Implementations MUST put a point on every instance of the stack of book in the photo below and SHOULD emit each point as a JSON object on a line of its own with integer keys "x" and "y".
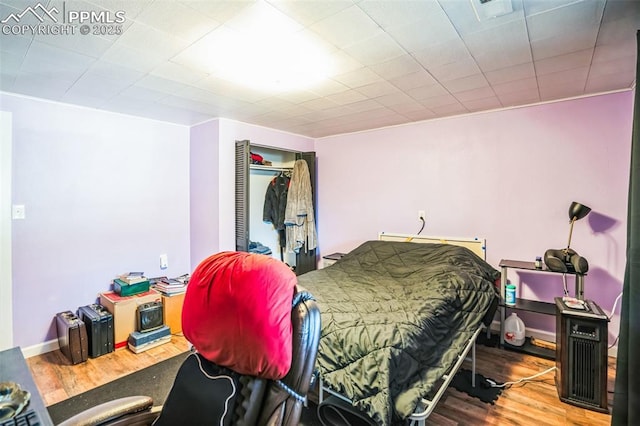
{"x": 170, "y": 286}
{"x": 130, "y": 284}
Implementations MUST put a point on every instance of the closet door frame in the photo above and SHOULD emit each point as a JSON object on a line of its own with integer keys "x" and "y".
{"x": 306, "y": 260}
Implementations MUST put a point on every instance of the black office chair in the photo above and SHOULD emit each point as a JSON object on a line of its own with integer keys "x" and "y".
{"x": 237, "y": 399}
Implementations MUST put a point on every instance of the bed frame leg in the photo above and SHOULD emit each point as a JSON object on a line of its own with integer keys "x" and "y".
{"x": 473, "y": 365}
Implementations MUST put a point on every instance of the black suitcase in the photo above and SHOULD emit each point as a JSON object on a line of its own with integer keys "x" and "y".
{"x": 99, "y": 324}
{"x": 72, "y": 337}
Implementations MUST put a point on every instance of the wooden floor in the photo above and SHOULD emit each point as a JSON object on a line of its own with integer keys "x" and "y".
{"x": 532, "y": 402}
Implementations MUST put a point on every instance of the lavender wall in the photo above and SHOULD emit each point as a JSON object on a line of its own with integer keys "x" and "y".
{"x": 213, "y": 179}
{"x": 230, "y": 131}
{"x": 507, "y": 176}
{"x": 204, "y": 172}
{"x": 104, "y": 194}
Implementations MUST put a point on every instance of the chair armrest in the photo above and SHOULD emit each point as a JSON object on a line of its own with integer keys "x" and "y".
{"x": 111, "y": 410}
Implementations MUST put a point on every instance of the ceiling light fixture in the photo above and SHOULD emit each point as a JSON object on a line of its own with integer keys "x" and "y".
{"x": 487, "y": 9}
{"x": 266, "y": 50}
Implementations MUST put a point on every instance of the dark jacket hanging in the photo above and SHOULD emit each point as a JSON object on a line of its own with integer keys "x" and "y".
{"x": 275, "y": 202}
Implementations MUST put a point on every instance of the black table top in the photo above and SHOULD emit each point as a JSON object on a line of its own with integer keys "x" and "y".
{"x": 14, "y": 368}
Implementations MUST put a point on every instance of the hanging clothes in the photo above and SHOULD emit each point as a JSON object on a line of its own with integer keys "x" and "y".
{"x": 275, "y": 204}
{"x": 299, "y": 219}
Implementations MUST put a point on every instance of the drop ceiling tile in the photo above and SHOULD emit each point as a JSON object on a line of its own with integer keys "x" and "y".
{"x": 263, "y": 16}
{"x": 464, "y": 84}
{"x": 455, "y": 71}
{"x": 566, "y": 18}
{"x": 396, "y": 98}
{"x": 374, "y": 50}
{"x": 569, "y": 61}
{"x": 140, "y": 60}
{"x": 341, "y": 63}
{"x": 483, "y": 104}
{"x": 574, "y": 41}
{"x": 375, "y": 90}
{"x": 80, "y": 97}
{"x": 177, "y": 19}
{"x": 88, "y": 45}
{"x": 47, "y": 85}
{"x": 130, "y": 8}
{"x": 189, "y": 104}
{"x": 389, "y": 13}
{"x": 409, "y": 107}
{"x": 449, "y": 110}
{"x": 516, "y": 98}
{"x": 309, "y": 12}
{"x": 366, "y": 105}
{"x": 106, "y": 70}
{"x": 414, "y": 80}
{"x": 346, "y": 27}
{"x": 535, "y": 7}
{"x": 10, "y": 63}
{"x": 516, "y": 86}
{"x": 298, "y": 97}
{"x": 577, "y": 76}
{"x": 614, "y": 66}
{"x": 219, "y": 10}
{"x": 143, "y": 37}
{"x": 424, "y": 114}
{"x": 608, "y": 52}
{"x": 178, "y": 72}
{"x": 422, "y": 34}
{"x": 359, "y": 77}
{"x": 347, "y": 97}
{"x": 441, "y": 54}
{"x": 428, "y": 91}
{"x": 438, "y": 101}
{"x": 96, "y": 86}
{"x": 516, "y": 72}
{"x": 17, "y": 45}
{"x": 42, "y": 56}
{"x": 509, "y": 46}
{"x": 563, "y": 84}
{"x": 319, "y": 104}
{"x": 611, "y": 82}
{"x": 219, "y": 87}
{"x": 474, "y": 94}
{"x": 160, "y": 84}
{"x": 397, "y": 67}
{"x": 137, "y": 93}
{"x": 328, "y": 87}
{"x": 469, "y": 17}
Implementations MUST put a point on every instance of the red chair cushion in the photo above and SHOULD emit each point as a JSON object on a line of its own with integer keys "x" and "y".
{"x": 237, "y": 313}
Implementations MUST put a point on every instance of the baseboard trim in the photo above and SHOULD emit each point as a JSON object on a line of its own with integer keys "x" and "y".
{"x": 40, "y": 348}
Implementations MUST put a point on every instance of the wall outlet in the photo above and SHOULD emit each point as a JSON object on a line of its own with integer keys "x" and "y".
{"x": 18, "y": 211}
{"x": 422, "y": 215}
{"x": 164, "y": 261}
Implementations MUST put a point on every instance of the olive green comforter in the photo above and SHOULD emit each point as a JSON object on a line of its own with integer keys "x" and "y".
{"x": 395, "y": 315}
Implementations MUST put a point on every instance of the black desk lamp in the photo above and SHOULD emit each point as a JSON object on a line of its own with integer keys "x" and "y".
{"x": 567, "y": 260}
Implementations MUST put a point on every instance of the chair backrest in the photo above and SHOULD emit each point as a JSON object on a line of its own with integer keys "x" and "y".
{"x": 204, "y": 392}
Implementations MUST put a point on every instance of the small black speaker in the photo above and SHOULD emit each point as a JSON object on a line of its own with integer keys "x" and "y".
{"x": 581, "y": 355}
{"x": 149, "y": 317}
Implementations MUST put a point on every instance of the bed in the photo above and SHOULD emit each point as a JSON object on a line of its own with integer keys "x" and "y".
{"x": 399, "y": 315}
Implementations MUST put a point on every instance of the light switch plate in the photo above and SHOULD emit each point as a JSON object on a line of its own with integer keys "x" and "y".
{"x": 164, "y": 261}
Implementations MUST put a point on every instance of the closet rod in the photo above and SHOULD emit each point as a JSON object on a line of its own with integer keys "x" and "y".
{"x": 270, "y": 168}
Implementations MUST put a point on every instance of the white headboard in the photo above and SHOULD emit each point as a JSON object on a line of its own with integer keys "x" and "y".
{"x": 476, "y": 245}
